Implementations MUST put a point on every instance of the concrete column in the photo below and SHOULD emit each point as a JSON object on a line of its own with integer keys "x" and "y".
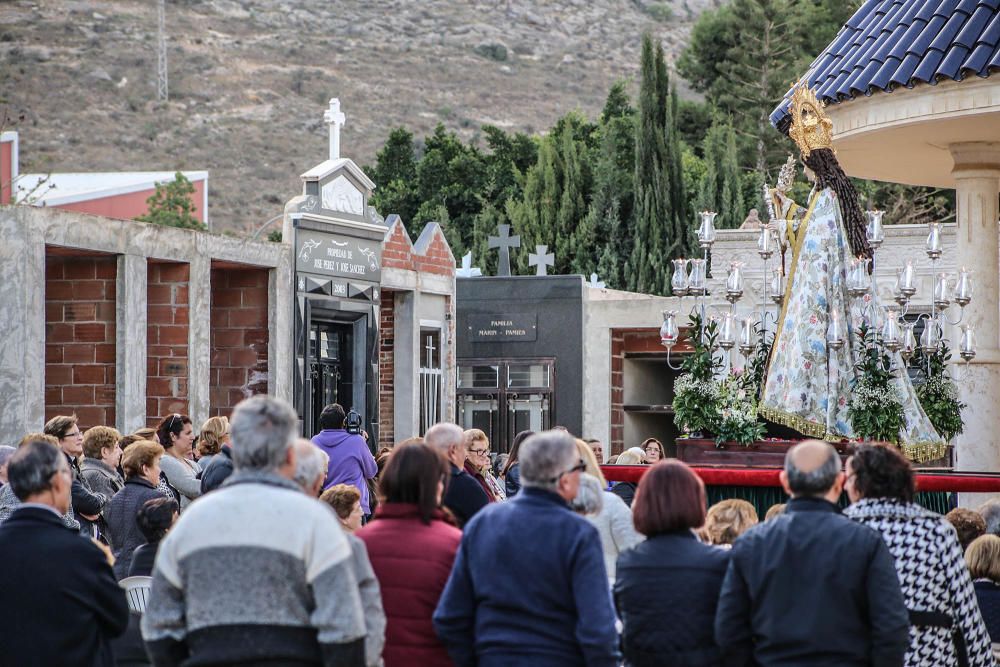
{"x": 977, "y": 177}
{"x": 22, "y": 324}
{"x": 199, "y": 338}
{"x": 406, "y": 365}
{"x": 280, "y": 324}
{"x": 130, "y": 343}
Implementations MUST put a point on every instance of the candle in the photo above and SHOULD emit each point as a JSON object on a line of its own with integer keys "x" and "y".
{"x": 734, "y": 282}
{"x": 767, "y": 241}
{"x": 706, "y": 230}
{"x": 679, "y": 279}
{"x": 668, "y": 330}
{"x": 875, "y": 231}
{"x": 931, "y": 337}
{"x": 907, "y": 279}
{"x": 934, "y": 241}
{"x": 908, "y": 344}
{"x": 963, "y": 288}
{"x": 941, "y": 291}
{"x": 746, "y": 336}
{"x": 835, "y": 332}
{"x": 697, "y": 280}
{"x": 967, "y": 344}
{"x": 890, "y": 330}
{"x": 776, "y": 286}
{"x": 726, "y": 335}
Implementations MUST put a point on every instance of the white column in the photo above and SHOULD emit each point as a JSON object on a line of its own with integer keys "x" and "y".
{"x": 977, "y": 179}
{"x": 199, "y": 337}
{"x": 130, "y": 343}
{"x": 406, "y": 364}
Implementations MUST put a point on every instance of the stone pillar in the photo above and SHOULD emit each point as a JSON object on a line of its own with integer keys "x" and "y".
{"x": 199, "y": 338}
{"x": 406, "y": 365}
{"x": 130, "y": 343}
{"x": 977, "y": 179}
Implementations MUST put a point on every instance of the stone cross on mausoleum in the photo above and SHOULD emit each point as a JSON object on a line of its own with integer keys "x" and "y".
{"x": 468, "y": 270}
{"x": 541, "y": 259}
{"x": 336, "y": 119}
{"x": 504, "y": 242}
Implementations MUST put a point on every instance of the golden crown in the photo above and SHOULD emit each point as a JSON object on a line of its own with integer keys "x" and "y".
{"x": 811, "y": 128}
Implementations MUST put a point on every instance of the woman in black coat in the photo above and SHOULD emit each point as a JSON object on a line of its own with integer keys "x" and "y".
{"x": 667, "y": 587}
{"x": 141, "y": 462}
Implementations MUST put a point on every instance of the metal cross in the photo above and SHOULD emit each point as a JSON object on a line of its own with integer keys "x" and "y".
{"x": 594, "y": 282}
{"x": 540, "y": 260}
{"x": 467, "y": 270}
{"x": 430, "y": 351}
{"x": 504, "y": 242}
{"x": 336, "y": 120}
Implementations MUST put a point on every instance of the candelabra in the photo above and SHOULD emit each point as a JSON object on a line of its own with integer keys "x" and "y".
{"x": 893, "y": 331}
{"x": 690, "y": 279}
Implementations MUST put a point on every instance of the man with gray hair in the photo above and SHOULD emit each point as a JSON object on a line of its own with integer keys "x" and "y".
{"x": 990, "y": 511}
{"x": 310, "y": 467}
{"x": 529, "y": 586}
{"x": 59, "y": 601}
{"x": 812, "y": 587}
{"x": 464, "y": 496}
{"x": 256, "y": 571}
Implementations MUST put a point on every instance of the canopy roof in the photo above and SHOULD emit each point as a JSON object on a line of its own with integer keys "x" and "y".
{"x": 893, "y": 43}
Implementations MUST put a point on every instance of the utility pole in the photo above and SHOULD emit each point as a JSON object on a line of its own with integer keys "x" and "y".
{"x": 161, "y": 51}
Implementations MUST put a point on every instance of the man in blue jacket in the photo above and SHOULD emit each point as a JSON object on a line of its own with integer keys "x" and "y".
{"x": 529, "y": 585}
{"x": 811, "y": 587}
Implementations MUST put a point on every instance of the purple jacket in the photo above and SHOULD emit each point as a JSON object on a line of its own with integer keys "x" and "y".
{"x": 350, "y": 461}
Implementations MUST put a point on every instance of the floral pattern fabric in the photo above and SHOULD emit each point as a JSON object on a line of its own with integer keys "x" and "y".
{"x": 808, "y": 383}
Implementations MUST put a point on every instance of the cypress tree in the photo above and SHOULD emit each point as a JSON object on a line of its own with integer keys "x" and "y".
{"x": 721, "y": 187}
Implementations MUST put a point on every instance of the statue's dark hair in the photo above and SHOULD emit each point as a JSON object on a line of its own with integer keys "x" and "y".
{"x": 829, "y": 174}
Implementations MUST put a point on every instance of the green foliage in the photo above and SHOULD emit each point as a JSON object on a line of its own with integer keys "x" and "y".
{"x": 938, "y": 394}
{"x": 721, "y": 186}
{"x": 737, "y": 413}
{"x": 274, "y": 236}
{"x": 875, "y": 408}
{"x": 661, "y": 231}
{"x": 172, "y": 205}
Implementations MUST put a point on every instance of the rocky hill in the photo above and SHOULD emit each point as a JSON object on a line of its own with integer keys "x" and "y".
{"x": 249, "y": 79}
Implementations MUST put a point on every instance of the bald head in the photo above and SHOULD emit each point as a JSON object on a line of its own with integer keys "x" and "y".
{"x": 448, "y": 439}
{"x": 812, "y": 468}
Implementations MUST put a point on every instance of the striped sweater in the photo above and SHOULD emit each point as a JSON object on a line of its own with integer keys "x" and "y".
{"x": 256, "y": 571}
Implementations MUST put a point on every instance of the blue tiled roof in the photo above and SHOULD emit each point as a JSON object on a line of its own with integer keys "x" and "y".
{"x": 892, "y": 43}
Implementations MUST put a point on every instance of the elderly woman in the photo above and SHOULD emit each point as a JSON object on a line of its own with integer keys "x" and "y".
{"x": 100, "y": 465}
{"x": 935, "y": 582}
{"x": 983, "y": 559}
{"x": 345, "y": 499}
{"x": 728, "y": 519}
{"x": 630, "y": 457}
{"x": 176, "y": 435}
{"x": 668, "y": 586}
{"x": 141, "y": 462}
{"x": 412, "y": 547}
{"x": 213, "y": 435}
{"x": 155, "y": 519}
{"x": 614, "y": 520}
{"x": 478, "y": 464}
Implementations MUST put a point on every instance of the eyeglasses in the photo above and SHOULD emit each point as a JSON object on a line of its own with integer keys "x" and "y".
{"x": 579, "y": 467}
{"x": 479, "y": 451}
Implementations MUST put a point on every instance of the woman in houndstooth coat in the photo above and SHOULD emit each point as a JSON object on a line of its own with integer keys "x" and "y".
{"x": 932, "y": 573}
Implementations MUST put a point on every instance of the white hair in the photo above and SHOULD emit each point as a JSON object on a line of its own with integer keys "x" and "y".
{"x": 544, "y": 457}
{"x": 631, "y": 456}
{"x": 590, "y": 497}
{"x": 310, "y": 463}
{"x": 262, "y": 428}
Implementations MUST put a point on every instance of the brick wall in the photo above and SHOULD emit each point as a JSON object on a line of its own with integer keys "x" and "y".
{"x": 399, "y": 253}
{"x": 167, "y": 306}
{"x": 617, "y": 392}
{"x": 239, "y": 337}
{"x": 386, "y": 371}
{"x": 80, "y": 338}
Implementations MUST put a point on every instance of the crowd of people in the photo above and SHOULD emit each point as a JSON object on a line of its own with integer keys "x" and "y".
{"x": 258, "y": 547}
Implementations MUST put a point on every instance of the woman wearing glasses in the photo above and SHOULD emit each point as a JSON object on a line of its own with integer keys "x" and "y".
{"x": 176, "y": 435}
{"x": 478, "y": 464}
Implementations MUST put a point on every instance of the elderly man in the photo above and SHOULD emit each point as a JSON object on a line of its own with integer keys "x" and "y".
{"x": 310, "y": 467}
{"x": 310, "y": 472}
{"x": 529, "y": 585}
{"x": 256, "y": 572}
{"x": 59, "y": 601}
{"x": 812, "y": 587}
{"x": 465, "y": 496}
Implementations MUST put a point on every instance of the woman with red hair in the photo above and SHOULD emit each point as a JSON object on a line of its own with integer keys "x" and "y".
{"x": 667, "y": 587}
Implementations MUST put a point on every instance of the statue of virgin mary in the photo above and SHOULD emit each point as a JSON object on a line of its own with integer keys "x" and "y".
{"x": 808, "y": 382}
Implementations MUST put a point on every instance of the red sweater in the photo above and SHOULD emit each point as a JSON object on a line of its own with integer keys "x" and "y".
{"x": 412, "y": 562}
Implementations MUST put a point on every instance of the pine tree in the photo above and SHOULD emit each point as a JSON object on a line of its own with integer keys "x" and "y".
{"x": 721, "y": 187}
{"x": 171, "y": 205}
